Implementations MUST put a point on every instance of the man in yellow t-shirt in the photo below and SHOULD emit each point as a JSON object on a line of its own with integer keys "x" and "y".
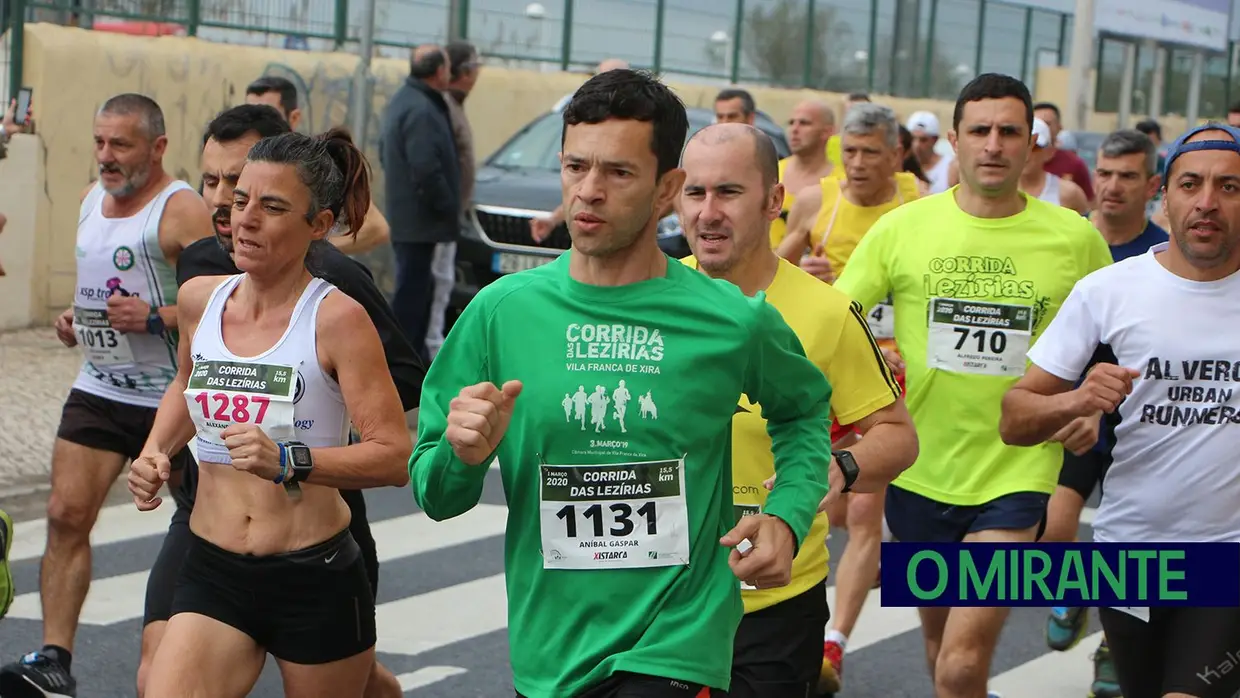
{"x": 810, "y": 125}
{"x": 835, "y": 153}
{"x": 976, "y": 274}
{"x": 731, "y": 194}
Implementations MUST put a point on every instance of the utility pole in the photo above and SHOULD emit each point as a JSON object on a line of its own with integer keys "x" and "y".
{"x": 1077, "y": 111}
{"x": 454, "y": 20}
{"x": 359, "y": 110}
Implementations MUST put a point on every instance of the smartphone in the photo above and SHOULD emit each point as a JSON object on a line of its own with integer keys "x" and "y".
{"x": 23, "y": 105}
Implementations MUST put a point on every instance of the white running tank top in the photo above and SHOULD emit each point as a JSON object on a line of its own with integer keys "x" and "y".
{"x": 122, "y": 256}
{"x": 938, "y": 174}
{"x": 1050, "y": 192}
{"x": 283, "y": 390}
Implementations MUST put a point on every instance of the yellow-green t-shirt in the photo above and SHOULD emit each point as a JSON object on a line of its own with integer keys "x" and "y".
{"x": 836, "y": 338}
{"x": 996, "y": 284}
{"x": 835, "y": 152}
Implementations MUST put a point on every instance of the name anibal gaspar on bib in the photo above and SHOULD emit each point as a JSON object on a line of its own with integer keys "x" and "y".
{"x": 223, "y": 393}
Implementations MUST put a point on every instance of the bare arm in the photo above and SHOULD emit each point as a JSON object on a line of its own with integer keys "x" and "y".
{"x": 186, "y": 220}
{"x": 173, "y": 427}
{"x": 1037, "y": 407}
{"x": 1072, "y": 196}
{"x": 890, "y": 446}
{"x": 800, "y": 222}
{"x": 375, "y": 231}
{"x": 353, "y": 353}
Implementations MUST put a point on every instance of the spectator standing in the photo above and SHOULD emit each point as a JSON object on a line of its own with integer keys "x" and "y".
{"x": 464, "y": 67}
{"x": 422, "y": 184}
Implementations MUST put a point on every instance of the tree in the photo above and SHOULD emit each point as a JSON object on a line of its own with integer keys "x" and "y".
{"x": 775, "y": 35}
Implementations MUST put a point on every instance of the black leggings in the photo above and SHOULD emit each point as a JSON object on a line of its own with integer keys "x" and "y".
{"x": 1195, "y": 651}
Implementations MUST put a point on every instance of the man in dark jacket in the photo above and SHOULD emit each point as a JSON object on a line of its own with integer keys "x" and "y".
{"x": 423, "y": 186}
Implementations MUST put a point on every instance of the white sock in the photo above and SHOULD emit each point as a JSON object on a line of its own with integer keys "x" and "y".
{"x": 837, "y": 637}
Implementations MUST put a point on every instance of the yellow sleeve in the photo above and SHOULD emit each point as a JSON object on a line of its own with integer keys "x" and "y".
{"x": 867, "y": 278}
{"x": 861, "y": 382}
{"x": 834, "y": 154}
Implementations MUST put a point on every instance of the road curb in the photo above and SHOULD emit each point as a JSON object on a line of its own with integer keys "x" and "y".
{"x": 23, "y": 490}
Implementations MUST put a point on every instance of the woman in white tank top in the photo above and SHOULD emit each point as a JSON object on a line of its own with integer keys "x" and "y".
{"x": 274, "y": 367}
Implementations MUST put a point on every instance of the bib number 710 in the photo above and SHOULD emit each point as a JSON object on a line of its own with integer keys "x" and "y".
{"x": 996, "y": 340}
{"x": 236, "y": 410}
{"x": 623, "y": 516}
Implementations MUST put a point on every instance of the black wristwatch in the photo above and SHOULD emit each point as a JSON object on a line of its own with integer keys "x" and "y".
{"x": 155, "y": 322}
{"x": 848, "y": 466}
{"x": 300, "y": 460}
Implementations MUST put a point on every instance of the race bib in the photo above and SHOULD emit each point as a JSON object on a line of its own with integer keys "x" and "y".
{"x": 619, "y": 515}
{"x": 224, "y": 393}
{"x": 103, "y": 345}
{"x": 882, "y": 321}
{"x": 981, "y": 338}
{"x": 741, "y": 511}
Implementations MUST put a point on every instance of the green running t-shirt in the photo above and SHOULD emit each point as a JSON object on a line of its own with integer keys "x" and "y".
{"x": 970, "y": 297}
{"x": 617, "y": 463}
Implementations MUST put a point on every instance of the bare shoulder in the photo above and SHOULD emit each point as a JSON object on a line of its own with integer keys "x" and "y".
{"x": 86, "y": 191}
{"x": 1072, "y": 195}
{"x": 185, "y": 206}
{"x": 342, "y": 316}
{"x": 193, "y": 295}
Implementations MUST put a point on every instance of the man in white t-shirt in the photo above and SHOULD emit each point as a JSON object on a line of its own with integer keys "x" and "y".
{"x": 1171, "y": 319}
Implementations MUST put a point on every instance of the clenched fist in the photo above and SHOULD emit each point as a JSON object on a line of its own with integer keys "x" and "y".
{"x": 147, "y": 475}
{"x": 1104, "y": 388}
{"x": 64, "y": 329}
{"x": 478, "y": 419}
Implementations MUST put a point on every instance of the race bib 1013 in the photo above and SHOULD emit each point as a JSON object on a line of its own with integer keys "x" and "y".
{"x": 103, "y": 345}
{"x": 976, "y": 337}
{"x": 619, "y": 515}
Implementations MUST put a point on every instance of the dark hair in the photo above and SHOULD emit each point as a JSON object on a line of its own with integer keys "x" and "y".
{"x": 145, "y": 108}
{"x": 1048, "y": 105}
{"x": 1149, "y": 127}
{"x": 462, "y": 57}
{"x": 911, "y": 164}
{"x": 858, "y": 97}
{"x": 234, "y": 123}
{"x": 1131, "y": 142}
{"x": 329, "y": 165}
{"x": 748, "y": 106}
{"x": 1234, "y": 108}
{"x": 272, "y": 83}
{"x": 993, "y": 86}
{"x": 428, "y": 64}
{"x": 636, "y": 95}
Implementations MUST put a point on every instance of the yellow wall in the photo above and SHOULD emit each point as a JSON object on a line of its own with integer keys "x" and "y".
{"x": 73, "y": 71}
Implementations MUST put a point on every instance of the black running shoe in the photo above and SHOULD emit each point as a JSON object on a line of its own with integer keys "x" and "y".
{"x": 36, "y": 676}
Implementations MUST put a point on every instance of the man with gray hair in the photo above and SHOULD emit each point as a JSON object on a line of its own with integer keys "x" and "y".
{"x": 1126, "y": 179}
{"x": 829, "y": 222}
{"x": 133, "y": 224}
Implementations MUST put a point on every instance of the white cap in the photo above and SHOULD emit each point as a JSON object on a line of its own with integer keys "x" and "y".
{"x": 1041, "y": 133}
{"x": 923, "y": 121}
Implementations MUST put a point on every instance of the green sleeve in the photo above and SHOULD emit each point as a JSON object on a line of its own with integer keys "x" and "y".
{"x": 866, "y": 278}
{"x": 443, "y": 485}
{"x": 796, "y": 402}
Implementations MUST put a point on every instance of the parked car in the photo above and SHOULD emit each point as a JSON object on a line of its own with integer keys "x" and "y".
{"x": 521, "y": 181}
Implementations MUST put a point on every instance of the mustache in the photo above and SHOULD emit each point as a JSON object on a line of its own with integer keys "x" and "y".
{"x": 111, "y": 168}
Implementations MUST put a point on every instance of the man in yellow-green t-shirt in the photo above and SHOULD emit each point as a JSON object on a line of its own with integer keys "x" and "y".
{"x": 976, "y": 274}
{"x": 730, "y": 197}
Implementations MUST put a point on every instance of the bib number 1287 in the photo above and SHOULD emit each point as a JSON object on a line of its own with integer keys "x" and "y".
{"x": 621, "y": 519}
{"x": 239, "y": 409}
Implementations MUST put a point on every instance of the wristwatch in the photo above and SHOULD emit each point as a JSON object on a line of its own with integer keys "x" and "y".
{"x": 848, "y": 466}
{"x": 155, "y": 322}
{"x": 300, "y": 460}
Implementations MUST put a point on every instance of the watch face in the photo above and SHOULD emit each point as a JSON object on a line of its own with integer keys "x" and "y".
{"x": 301, "y": 456}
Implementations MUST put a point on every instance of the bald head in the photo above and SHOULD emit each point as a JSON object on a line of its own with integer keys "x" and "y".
{"x": 429, "y": 63}
{"x": 817, "y": 109}
{"x": 611, "y": 64}
{"x": 765, "y": 157}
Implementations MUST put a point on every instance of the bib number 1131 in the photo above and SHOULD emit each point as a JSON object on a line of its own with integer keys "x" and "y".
{"x": 622, "y": 523}
{"x": 234, "y": 407}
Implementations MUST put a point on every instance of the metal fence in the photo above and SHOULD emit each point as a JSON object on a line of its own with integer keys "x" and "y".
{"x": 909, "y": 48}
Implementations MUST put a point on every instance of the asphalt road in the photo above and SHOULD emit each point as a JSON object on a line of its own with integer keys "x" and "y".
{"x": 442, "y": 614}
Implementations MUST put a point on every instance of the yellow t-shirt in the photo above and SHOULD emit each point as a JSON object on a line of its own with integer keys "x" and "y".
{"x": 844, "y": 224}
{"x": 835, "y": 337}
{"x": 835, "y": 152}
{"x": 780, "y": 226}
{"x": 996, "y": 284}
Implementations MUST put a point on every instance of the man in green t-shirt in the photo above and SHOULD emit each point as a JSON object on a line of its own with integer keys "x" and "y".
{"x": 605, "y": 384}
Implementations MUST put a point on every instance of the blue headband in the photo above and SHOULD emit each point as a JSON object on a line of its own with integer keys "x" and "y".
{"x": 1179, "y": 147}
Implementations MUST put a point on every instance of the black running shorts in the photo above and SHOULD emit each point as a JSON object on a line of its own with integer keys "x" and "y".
{"x": 778, "y": 650}
{"x": 1180, "y": 650}
{"x": 107, "y": 425}
{"x": 625, "y": 685}
{"x": 309, "y": 606}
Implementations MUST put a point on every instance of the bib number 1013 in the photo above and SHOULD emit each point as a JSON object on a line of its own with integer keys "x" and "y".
{"x": 97, "y": 338}
{"x": 994, "y": 340}
{"x": 240, "y": 409}
{"x": 621, "y": 516}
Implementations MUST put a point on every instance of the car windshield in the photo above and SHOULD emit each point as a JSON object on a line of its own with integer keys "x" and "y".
{"x": 537, "y": 147}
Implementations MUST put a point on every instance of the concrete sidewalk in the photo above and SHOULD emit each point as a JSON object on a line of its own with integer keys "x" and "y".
{"x": 36, "y": 372}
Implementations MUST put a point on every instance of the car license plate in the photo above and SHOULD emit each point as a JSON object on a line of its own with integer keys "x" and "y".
{"x": 510, "y": 263}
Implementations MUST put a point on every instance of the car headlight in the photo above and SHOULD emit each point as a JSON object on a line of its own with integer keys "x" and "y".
{"x": 669, "y": 227}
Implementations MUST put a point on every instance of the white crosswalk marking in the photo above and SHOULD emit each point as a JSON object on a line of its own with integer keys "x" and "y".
{"x": 416, "y": 626}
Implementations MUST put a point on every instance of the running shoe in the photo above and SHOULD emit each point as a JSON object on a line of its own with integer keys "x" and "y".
{"x": 832, "y": 667}
{"x": 1065, "y": 627}
{"x": 36, "y": 675}
{"x": 6, "y": 575}
{"x": 1106, "y": 681}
